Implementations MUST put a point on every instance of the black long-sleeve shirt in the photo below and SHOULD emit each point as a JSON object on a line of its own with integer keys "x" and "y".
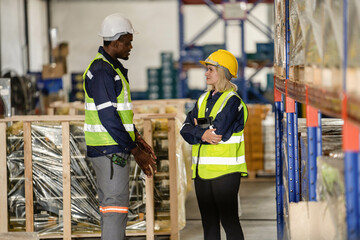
{"x": 103, "y": 88}
{"x": 228, "y": 121}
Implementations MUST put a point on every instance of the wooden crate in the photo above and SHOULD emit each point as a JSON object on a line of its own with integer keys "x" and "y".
{"x": 254, "y": 144}
{"x": 65, "y": 108}
{"x": 160, "y": 106}
{"x": 64, "y": 121}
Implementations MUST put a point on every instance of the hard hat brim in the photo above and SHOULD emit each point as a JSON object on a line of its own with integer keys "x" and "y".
{"x": 216, "y": 65}
{"x": 203, "y": 62}
{"x": 207, "y": 62}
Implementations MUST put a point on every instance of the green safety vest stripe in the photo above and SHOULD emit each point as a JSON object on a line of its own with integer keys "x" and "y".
{"x": 214, "y": 171}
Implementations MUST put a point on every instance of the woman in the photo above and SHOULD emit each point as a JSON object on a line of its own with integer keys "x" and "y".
{"x": 214, "y": 128}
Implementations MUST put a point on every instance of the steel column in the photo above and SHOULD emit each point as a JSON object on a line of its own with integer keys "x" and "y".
{"x": 243, "y": 87}
{"x": 351, "y": 188}
{"x": 296, "y": 155}
{"x": 182, "y": 84}
{"x": 290, "y": 116}
{"x": 279, "y": 162}
{"x": 319, "y": 136}
{"x": 290, "y": 155}
{"x": 313, "y": 124}
{"x": 312, "y": 154}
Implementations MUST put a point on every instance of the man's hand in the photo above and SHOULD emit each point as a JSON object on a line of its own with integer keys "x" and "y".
{"x": 144, "y": 146}
{"x": 145, "y": 161}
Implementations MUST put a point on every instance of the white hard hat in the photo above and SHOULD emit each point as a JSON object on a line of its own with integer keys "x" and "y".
{"x": 114, "y": 26}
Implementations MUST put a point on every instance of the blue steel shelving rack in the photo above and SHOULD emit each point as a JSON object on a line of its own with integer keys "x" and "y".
{"x": 313, "y": 123}
{"x": 241, "y": 81}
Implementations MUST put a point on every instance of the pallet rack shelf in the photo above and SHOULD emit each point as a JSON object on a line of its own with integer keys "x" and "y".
{"x": 187, "y": 61}
{"x": 338, "y": 102}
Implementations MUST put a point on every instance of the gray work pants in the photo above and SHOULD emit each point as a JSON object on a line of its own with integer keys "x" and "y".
{"x": 113, "y": 197}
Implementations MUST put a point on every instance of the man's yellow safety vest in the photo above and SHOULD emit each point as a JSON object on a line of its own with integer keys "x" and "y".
{"x": 95, "y": 132}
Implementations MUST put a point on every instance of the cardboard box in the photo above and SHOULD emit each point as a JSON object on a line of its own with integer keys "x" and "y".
{"x": 53, "y": 70}
{"x": 315, "y": 221}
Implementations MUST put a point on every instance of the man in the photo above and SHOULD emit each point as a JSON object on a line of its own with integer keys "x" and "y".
{"x": 109, "y": 130}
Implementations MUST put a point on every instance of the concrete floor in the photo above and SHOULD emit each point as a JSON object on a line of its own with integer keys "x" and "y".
{"x": 258, "y": 211}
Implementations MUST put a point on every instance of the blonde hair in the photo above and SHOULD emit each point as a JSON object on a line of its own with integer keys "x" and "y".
{"x": 223, "y": 84}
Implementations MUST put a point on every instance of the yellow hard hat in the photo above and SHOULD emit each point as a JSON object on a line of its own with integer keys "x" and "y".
{"x": 224, "y": 59}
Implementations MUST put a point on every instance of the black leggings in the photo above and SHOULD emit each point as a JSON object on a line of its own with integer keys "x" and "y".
{"x": 218, "y": 201}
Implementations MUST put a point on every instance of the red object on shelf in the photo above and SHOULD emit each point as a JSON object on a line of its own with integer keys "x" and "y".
{"x": 220, "y": 1}
{"x": 290, "y": 105}
{"x": 311, "y": 116}
{"x": 350, "y": 137}
{"x": 277, "y": 93}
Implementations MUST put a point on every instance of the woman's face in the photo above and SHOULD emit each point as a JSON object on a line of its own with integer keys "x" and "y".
{"x": 212, "y": 76}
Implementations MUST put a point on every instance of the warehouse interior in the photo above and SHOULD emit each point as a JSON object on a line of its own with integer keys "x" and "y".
{"x": 298, "y": 64}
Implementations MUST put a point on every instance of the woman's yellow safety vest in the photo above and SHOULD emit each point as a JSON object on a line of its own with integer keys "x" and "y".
{"x": 211, "y": 161}
{"x": 95, "y": 132}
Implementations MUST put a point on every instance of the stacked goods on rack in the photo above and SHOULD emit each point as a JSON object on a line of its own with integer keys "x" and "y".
{"x": 297, "y": 40}
{"x": 330, "y": 204}
{"x": 254, "y": 144}
{"x": 314, "y": 41}
{"x": 333, "y": 55}
{"x": 331, "y": 191}
{"x": 333, "y": 45}
{"x": 353, "y": 70}
{"x": 162, "y": 82}
{"x": 330, "y": 184}
{"x": 303, "y": 158}
{"x": 331, "y": 144}
{"x": 297, "y": 22}
{"x": 279, "y": 43}
{"x": 315, "y": 52}
{"x": 268, "y": 128}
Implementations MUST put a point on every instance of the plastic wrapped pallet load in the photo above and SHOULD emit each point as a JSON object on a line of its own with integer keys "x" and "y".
{"x": 297, "y": 40}
{"x": 331, "y": 190}
{"x": 353, "y": 70}
{"x": 314, "y": 41}
{"x": 279, "y": 43}
{"x": 333, "y": 45}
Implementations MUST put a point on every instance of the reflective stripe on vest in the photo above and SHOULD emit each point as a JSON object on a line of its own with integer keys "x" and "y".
{"x": 95, "y": 132}
{"x": 212, "y": 161}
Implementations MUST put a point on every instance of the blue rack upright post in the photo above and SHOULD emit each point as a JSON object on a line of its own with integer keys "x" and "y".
{"x": 279, "y": 110}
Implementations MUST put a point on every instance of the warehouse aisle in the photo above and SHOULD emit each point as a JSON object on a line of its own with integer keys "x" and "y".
{"x": 258, "y": 206}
